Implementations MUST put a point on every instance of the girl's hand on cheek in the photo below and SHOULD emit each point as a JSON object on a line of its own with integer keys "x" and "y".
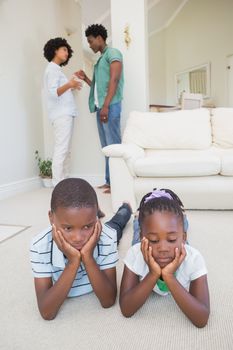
{"x": 171, "y": 268}
{"x": 154, "y": 268}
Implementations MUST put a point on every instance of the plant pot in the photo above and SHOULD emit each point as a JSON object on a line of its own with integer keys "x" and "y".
{"x": 47, "y": 182}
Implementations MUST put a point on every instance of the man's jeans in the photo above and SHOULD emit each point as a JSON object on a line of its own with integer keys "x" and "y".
{"x": 110, "y": 132}
{"x": 120, "y": 219}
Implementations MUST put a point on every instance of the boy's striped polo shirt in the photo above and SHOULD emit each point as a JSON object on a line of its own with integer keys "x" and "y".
{"x": 48, "y": 261}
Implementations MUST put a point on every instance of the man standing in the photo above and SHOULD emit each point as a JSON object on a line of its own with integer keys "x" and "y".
{"x": 106, "y": 91}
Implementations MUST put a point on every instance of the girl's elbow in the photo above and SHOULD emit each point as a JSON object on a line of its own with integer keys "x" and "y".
{"x": 126, "y": 313}
{"x": 202, "y": 322}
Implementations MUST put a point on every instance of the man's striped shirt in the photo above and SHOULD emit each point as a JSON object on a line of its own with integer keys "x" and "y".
{"x": 48, "y": 261}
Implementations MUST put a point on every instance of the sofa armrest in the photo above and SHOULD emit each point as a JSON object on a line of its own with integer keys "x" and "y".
{"x": 123, "y": 150}
{"x": 122, "y": 184}
{"x": 128, "y": 151}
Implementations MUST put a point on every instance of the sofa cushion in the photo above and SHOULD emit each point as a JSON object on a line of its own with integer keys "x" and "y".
{"x": 222, "y": 126}
{"x": 178, "y": 163}
{"x": 184, "y": 129}
{"x": 227, "y": 163}
{"x": 226, "y": 156}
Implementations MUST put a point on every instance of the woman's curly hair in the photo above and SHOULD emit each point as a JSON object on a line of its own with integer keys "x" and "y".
{"x": 95, "y": 30}
{"x": 54, "y": 44}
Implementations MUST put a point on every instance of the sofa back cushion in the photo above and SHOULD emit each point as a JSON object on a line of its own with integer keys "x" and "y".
{"x": 184, "y": 129}
{"x": 222, "y": 127}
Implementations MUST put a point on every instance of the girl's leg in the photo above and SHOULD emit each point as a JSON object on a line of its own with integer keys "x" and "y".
{"x": 120, "y": 219}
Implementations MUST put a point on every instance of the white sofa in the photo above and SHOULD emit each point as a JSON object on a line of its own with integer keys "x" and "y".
{"x": 188, "y": 151}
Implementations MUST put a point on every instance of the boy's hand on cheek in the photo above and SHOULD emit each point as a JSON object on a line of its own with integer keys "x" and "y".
{"x": 73, "y": 255}
{"x": 154, "y": 268}
{"x": 88, "y": 249}
{"x": 171, "y": 268}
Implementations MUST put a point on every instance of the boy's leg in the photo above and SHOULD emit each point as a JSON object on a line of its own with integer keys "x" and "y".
{"x": 63, "y": 128}
{"x": 186, "y": 223}
{"x": 120, "y": 219}
{"x": 136, "y": 231}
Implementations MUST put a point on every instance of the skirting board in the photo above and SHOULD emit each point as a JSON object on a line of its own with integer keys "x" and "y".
{"x": 13, "y": 188}
{"x": 30, "y": 184}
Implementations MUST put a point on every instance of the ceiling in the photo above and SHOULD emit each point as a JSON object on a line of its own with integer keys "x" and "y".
{"x": 160, "y": 13}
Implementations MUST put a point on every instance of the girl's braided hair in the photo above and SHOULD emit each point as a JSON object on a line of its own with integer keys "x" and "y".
{"x": 160, "y": 200}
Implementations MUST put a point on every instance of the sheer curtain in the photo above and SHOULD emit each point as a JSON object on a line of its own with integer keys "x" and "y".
{"x": 197, "y": 81}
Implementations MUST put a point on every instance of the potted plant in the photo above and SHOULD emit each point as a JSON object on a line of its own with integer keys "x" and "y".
{"x": 45, "y": 169}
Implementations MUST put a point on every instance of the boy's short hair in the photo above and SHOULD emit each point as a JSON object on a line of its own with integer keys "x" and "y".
{"x": 54, "y": 44}
{"x": 95, "y": 30}
{"x": 73, "y": 193}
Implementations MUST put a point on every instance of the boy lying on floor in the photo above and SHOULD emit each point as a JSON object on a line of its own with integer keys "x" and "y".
{"x": 76, "y": 254}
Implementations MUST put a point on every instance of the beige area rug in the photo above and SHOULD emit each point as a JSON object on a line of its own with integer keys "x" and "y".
{"x": 9, "y": 231}
{"x": 83, "y": 324}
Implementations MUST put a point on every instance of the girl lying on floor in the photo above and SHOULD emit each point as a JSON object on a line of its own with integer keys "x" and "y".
{"x": 163, "y": 262}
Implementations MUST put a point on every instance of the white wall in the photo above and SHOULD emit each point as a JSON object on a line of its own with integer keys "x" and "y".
{"x": 157, "y": 68}
{"x": 136, "y": 56}
{"x": 202, "y": 32}
{"x": 87, "y": 159}
{"x": 22, "y": 35}
{"x": 25, "y": 26}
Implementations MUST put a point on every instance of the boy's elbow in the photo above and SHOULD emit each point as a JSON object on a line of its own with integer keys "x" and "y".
{"x": 203, "y": 323}
{"x": 47, "y": 316}
{"x": 107, "y": 304}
